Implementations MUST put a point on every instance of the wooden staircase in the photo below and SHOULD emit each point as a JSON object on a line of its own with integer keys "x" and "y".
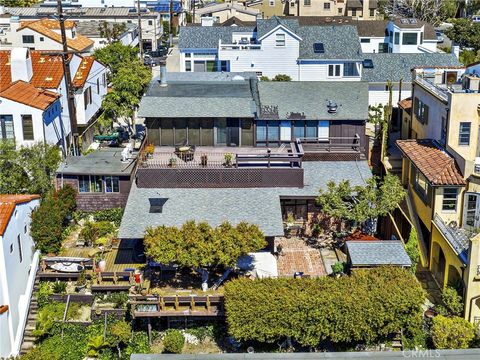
{"x": 28, "y": 341}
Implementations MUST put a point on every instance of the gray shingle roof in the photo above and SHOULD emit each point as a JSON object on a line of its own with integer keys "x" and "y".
{"x": 458, "y": 238}
{"x": 105, "y": 161}
{"x": 264, "y": 26}
{"x": 198, "y": 99}
{"x": 398, "y": 66}
{"x": 339, "y": 41}
{"x": 80, "y": 12}
{"x": 310, "y": 97}
{"x": 255, "y": 205}
{"x": 206, "y": 37}
{"x": 373, "y": 253}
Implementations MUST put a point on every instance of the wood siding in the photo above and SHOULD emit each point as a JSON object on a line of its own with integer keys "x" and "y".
{"x": 97, "y": 201}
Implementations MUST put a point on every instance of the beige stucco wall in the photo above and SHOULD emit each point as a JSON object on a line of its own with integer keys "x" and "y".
{"x": 268, "y": 9}
{"x": 472, "y": 293}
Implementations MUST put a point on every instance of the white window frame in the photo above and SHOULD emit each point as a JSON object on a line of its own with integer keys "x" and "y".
{"x": 450, "y": 199}
{"x": 335, "y": 67}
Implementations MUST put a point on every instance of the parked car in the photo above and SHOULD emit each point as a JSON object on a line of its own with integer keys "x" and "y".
{"x": 439, "y": 35}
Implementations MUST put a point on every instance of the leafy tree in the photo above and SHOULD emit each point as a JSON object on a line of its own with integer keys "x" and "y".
{"x": 465, "y": 33}
{"x": 111, "y": 32}
{"x": 281, "y": 77}
{"x": 121, "y": 332}
{"x": 18, "y": 3}
{"x": 411, "y": 247}
{"x": 198, "y": 246}
{"x": 366, "y": 307}
{"x": 115, "y": 56}
{"x": 452, "y": 302}
{"x": 468, "y": 57}
{"x": 173, "y": 341}
{"x": 451, "y": 332}
{"x": 27, "y": 169}
{"x": 433, "y": 11}
{"x": 360, "y": 203}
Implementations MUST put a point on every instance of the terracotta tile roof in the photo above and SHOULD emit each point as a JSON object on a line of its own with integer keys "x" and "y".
{"x": 5, "y": 72}
{"x": 406, "y": 104}
{"x": 83, "y": 71}
{"x": 46, "y": 27}
{"x": 437, "y": 166}
{"x": 26, "y": 93}
{"x": 7, "y": 206}
{"x": 47, "y": 70}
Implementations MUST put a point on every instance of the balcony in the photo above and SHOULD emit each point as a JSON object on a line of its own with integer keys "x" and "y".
{"x": 239, "y": 46}
{"x": 333, "y": 148}
{"x": 220, "y": 167}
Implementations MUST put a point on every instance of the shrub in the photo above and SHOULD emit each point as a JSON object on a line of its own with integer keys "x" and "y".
{"x": 113, "y": 215}
{"x": 173, "y": 342}
{"x": 44, "y": 291}
{"x": 59, "y": 287}
{"x": 411, "y": 247}
{"x": 281, "y": 77}
{"x": 92, "y": 231}
{"x": 452, "y": 303}
{"x": 452, "y": 332}
{"x": 67, "y": 197}
{"x": 366, "y": 307}
{"x": 338, "y": 267}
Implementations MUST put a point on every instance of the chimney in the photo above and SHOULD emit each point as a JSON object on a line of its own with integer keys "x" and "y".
{"x": 366, "y": 9}
{"x": 455, "y": 49}
{"x": 21, "y": 64}
{"x": 206, "y": 21}
{"x": 163, "y": 74}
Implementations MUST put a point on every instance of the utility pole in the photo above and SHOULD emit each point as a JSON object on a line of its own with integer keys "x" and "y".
{"x": 140, "y": 43}
{"x": 68, "y": 81}
{"x": 171, "y": 24}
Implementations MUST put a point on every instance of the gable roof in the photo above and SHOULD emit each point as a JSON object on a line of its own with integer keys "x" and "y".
{"x": 372, "y": 28}
{"x": 309, "y": 98}
{"x": 395, "y": 66}
{"x": 83, "y": 71}
{"x": 207, "y": 37}
{"x": 5, "y": 70}
{"x": 375, "y": 253}
{"x": 432, "y": 161}
{"x": 27, "y": 94}
{"x": 46, "y": 27}
{"x": 47, "y": 70}
{"x": 217, "y": 7}
{"x": 7, "y": 207}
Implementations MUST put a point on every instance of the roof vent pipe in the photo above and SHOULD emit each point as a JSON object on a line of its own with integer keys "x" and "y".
{"x": 163, "y": 74}
{"x": 332, "y": 107}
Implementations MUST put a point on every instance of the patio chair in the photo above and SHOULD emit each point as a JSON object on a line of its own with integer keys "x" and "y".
{"x": 184, "y": 143}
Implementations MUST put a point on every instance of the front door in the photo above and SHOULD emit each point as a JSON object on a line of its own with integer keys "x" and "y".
{"x": 471, "y": 211}
{"x": 233, "y": 132}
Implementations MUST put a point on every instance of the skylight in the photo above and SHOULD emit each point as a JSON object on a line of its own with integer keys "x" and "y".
{"x": 156, "y": 205}
{"x": 318, "y": 48}
{"x": 368, "y": 64}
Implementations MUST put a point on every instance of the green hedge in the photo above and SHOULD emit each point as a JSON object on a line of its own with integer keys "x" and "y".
{"x": 366, "y": 307}
{"x": 173, "y": 342}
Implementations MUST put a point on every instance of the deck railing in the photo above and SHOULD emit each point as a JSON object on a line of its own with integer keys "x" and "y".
{"x": 331, "y": 144}
{"x": 240, "y": 47}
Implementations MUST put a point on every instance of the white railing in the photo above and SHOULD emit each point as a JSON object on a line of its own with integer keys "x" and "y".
{"x": 240, "y": 47}
{"x": 441, "y": 93}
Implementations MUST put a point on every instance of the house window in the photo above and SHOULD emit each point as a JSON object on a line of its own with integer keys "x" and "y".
{"x": 354, "y": 12}
{"x": 397, "y": 38}
{"x": 326, "y": 6}
{"x": 187, "y": 55}
{"x": 28, "y": 39}
{"x": 364, "y": 40}
{"x": 383, "y": 48}
{"x": 150, "y": 22}
{"x": 87, "y": 97}
{"x": 11, "y": 248}
{"x": 42, "y": 38}
{"x": 340, "y": 11}
{"x": 73, "y": 34}
{"x": 25, "y": 229}
{"x": 104, "y": 79}
{"x": 449, "y": 202}
{"x": 280, "y": 40}
{"x": 464, "y": 133}
{"x": 372, "y": 12}
{"x": 307, "y": 2}
{"x": 421, "y": 38}
{"x": 19, "y": 244}
{"x": 188, "y": 66}
{"x": 390, "y": 37}
{"x": 409, "y": 39}
{"x": 271, "y": 2}
{"x": 350, "y": 69}
{"x": 420, "y": 110}
{"x": 421, "y": 185}
{"x": 6, "y": 127}
{"x": 334, "y": 70}
{"x": 27, "y": 126}
{"x": 90, "y": 183}
{"x": 307, "y": 129}
{"x": 98, "y": 85}
{"x": 112, "y": 184}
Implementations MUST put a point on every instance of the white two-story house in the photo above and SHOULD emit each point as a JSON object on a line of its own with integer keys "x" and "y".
{"x": 18, "y": 266}
{"x": 43, "y": 77}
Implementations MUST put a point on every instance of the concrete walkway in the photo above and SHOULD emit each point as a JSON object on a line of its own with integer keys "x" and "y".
{"x": 173, "y": 60}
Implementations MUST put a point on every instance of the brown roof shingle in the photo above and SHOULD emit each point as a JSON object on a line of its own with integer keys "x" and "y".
{"x": 406, "y": 104}
{"x": 5, "y": 71}
{"x": 25, "y": 93}
{"x": 47, "y": 70}
{"x": 433, "y": 162}
{"x": 7, "y": 206}
{"x": 83, "y": 71}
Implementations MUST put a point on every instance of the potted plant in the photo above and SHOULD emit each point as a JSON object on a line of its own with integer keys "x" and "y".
{"x": 203, "y": 160}
{"x": 172, "y": 162}
{"x": 149, "y": 149}
{"x": 289, "y": 222}
{"x": 228, "y": 157}
{"x": 338, "y": 268}
{"x": 81, "y": 281}
{"x": 100, "y": 261}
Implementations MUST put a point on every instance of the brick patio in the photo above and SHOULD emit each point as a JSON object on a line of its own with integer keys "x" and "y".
{"x": 297, "y": 256}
